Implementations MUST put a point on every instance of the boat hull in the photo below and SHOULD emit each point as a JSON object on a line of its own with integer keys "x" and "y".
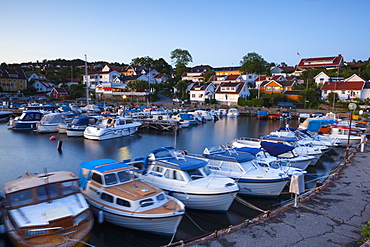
{"x": 165, "y": 224}
{"x": 102, "y": 134}
{"x": 258, "y": 188}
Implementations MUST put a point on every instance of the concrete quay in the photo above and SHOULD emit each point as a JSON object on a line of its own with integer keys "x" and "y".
{"x": 330, "y": 215}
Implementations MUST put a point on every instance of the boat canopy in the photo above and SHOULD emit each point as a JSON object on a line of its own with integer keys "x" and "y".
{"x": 83, "y": 120}
{"x": 228, "y": 154}
{"x": 168, "y": 157}
{"x": 100, "y": 165}
{"x": 250, "y": 150}
{"x": 279, "y": 138}
{"x": 276, "y": 149}
{"x": 287, "y": 129}
{"x": 315, "y": 124}
{"x": 262, "y": 113}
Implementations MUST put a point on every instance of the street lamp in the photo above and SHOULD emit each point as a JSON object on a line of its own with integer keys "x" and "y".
{"x": 351, "y": 107}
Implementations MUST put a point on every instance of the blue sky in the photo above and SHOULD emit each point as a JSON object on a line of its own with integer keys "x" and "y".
{"x": 217, "y": 33}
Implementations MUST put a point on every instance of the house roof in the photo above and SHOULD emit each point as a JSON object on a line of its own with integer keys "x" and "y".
{"x": 351, "y": 85}
{"x": 239, "y": 86}
{"x": 268, "y": 77}
{"x": 227, "y": 68}
{"x": 12, "y": 73}
{"x": 231, "y": 77}
{"x": 199, "y": 86}
{"x": 321, "y": 62}
{"x": 60, "y": 90}
{"x": 282, "y": 83}
{"x": 201, "y": 68}
{"x": 292, "y": 92}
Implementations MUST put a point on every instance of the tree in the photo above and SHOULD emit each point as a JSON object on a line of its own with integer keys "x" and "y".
{"x": 331, "y": 97}
{"x": 139, "y": 85}
{"x": 162, "y": 66}
{"x": 253, "y": 63}
{"x": 181, "y": 58}
{"x": 143, "y": 61}
{"x": 181, "y": 87}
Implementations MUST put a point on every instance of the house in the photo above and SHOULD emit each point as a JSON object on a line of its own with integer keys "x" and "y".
{"x": 202, "y": 91}
{"x": 229, "y": 92}
{"x": 59, "y": 93}
{"x": 262, "y": 78}
{"x": 321, "y": 62}
{"x": 321, "y": 78}
{"x": 227, "y": 70}
{"x": 160, "y": 78}
{"x": 13, "y": 79}
{"x": 218, "y": 79}
{"x": 201, "y": 68}
{"x": 276, "y": 86}
{"x": 43, "y": 86}
{"x": 192, "y": 76}
{"x": 282, "y": 70}
{"x": 95, "y": 78}
{"x": 292, "y": 94}
{"x": 346, "y": 89}
{"x": 35, "y": 76}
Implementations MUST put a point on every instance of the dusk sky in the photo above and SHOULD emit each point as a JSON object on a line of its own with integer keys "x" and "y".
{"x": 216, "y": 33}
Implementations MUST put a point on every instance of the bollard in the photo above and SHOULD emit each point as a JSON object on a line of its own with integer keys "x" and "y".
{"x": 59, "y": 146}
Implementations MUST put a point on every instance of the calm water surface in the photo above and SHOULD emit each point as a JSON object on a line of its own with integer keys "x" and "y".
{"x": 29, "y": 151}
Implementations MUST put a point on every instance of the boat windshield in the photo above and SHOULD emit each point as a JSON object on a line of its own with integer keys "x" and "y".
{"x": 195, "y": 174}
{"x": 110, "y": 178}
{"x": 124, "y": 176}
{"x": 20, "y": 198}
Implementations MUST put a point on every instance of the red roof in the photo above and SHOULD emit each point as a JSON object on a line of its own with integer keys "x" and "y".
{"x": 231, "y": 77}
{"x": 268, "y": 77}
{"x": 230, "y": 84}
{"x": 353, "y": 85}
{"x": 321, "y": 62}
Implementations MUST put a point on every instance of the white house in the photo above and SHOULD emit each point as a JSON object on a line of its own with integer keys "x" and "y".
{"x": 347, "y": 89}
{"x": 43, "y": 87}
{"x": 321, "y": 78}
{"x": 95, "y": 78}
{"x": 202, "y": 91}
{"x": 229, "y": 92}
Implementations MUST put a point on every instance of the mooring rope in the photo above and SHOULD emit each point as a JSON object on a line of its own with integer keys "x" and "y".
{"x": 195, "y": 223}
{"x": 245, "y": 203}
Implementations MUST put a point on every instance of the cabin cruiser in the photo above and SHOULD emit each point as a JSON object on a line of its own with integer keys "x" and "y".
{"x": 188, "y": 179}
{"x": 343, "y": 134}
{"x": 26, "y": 121}
{"x": 233, "y": 112}
{"x": 253, "y": 178}
{"x": 51, "y": 122}
{"x": 117, "y": 196}
{"x": 186, "y": 117}
{"x": 78, "y": 125}
{"x": 46, "y": 210}
{"x": 111, "y": 127}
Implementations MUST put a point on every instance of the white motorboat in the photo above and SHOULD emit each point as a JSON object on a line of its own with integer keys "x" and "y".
{"x": 343, "y": 134}
{"x": 78, "y": 125}
{"x": 205, "y": 114}
{"x": 46, "y": 210}
{"x": 221, "y": 112}
{"x": 188, "y": 179}
{"x": 26, "y": 121}
{"x": 233, "y": 112}
{"x": 116, "y": 196}
{"x": 253, "y": 178}
{"x": 111, "y": 127}
{"x": 308, "y": 150}
{"x": 50, "y": 122}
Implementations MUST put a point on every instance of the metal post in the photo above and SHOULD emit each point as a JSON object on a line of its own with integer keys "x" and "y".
{"x": 349, "y": 133}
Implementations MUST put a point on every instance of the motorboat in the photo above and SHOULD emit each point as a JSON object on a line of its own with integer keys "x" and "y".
{"x": 26, "y": 121}
{"x": 233, "y": 112}
{"x": 188, "y": 179}
{"x": 300, "y": 149}
{"x": 262, "y": 114}
{"x": 302, "y": 117}
{"x": 115, "y": 195}
{"x": 111, "y": 127}
{"x": 50, "y": 122}
{"x": 46, "y": 210}
{"x": 344, "y": 135}
{"x": 186, "y": 117}
{"x": 78, "y": 125}
{"x": 5, "y": 115}
{"x": 314, "y": 124}
{"x": 205, "y": 114}
{"x": 274, "y": 116}
{"x": 285, "y": 115}
{"x": 221, "y": 112}
{"x": 253, "y": 178}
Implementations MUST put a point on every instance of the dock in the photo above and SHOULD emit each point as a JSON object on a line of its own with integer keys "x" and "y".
{"x": 162, "y": 125}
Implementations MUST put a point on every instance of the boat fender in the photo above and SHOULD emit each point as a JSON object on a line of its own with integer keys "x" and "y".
{"x": 100, "y": 216}
{"x": 53, "y": 138}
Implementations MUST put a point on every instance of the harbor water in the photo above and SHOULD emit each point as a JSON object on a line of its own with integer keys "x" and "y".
{"x": 23, "y": 151}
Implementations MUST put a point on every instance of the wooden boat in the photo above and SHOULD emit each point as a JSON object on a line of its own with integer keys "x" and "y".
{"x": 274, "y": 116}
{"x": 46, "y": 210}
{"x": 121, "y": 199}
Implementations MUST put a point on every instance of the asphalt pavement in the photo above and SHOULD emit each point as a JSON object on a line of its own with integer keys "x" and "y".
{"x": 331, "y": 215}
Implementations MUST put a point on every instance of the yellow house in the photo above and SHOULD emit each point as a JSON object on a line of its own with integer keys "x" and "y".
{"x": 227, "y": 71}
{"x": 276, "y": 86}
{"x": 13, "y": 79}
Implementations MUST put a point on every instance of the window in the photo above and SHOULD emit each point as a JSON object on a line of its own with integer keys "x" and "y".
{"x": 343, "y": 91}
{"x": 20, "y": 198}
{"x": 106, "y": 197}
{"x": 124, "y": 176}
{"x": 123, "y": 203}
{"x": 195, "y": 174}
{"x": 97, "y": 178}
{"x": 161, "y": 197}
{"x": 168, "y": 174}
{"x": 157, "y": 169}
{"x": 146, "y": 202}
{"x": 178, "y": 176}
{"x": 110, "y": 178}
{"x": 69, "y": 187}
{"x": 47, "y": 192}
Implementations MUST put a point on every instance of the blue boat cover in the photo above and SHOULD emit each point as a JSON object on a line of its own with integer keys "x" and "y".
{"x": 315, "y": 124}
{"x": 100, "y": 165}
{"x": 253, "y": 151}
{"x": 238, "y": 157}
{"x": 279, "y": 138}
{"x": 262, "y": 113}
{"x": 275, "y": 149}
{"x": 165, "y": 158}
{"x": 287, "y": 128}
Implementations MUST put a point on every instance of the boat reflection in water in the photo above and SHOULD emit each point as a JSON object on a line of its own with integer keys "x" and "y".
{"x": 26, "y": 150}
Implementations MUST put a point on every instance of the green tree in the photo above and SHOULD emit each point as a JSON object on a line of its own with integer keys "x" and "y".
{"x": 143, "y": 61}
{"x": 309, "y": 98}
{"x": 181, "y": 58}
{"x": 162, "y": 66}
{"x": 139, "y": 85}
{"x": 331, "y": 97}
{"x": 253, "y": 63}
{"x": 208, "y": 74}
{"x": 181, "y": 87}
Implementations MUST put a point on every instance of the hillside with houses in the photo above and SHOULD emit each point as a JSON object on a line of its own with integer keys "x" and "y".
{"x": 313, "y": 81}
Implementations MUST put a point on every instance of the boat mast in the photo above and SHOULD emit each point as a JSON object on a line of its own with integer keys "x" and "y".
{"x": 87, "y": 81}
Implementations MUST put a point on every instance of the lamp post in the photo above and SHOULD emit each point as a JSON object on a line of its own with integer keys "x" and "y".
{"x": 351, "y": 107}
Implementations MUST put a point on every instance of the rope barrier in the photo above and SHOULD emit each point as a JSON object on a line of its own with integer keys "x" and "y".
{"x": 245, "y": 203}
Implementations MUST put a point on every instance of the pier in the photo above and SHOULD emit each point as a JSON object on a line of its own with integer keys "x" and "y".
{"x": 163, "y": 125}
